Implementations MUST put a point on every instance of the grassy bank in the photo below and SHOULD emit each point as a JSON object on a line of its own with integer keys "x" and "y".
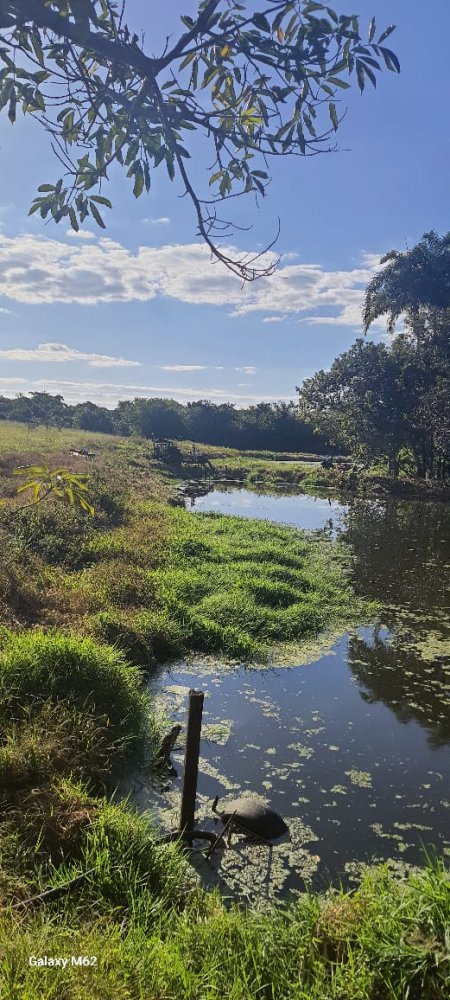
{"x": 85, "y": 603}
{"x": 153, "y": 579}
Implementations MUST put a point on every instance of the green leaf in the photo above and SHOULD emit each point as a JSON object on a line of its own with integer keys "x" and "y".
{"x": 360, "y": 74}
{"x": 372, "y": 28}
{"x": 138, "y": 182}
{"x": 160, "y": 155}
{"x": 261, "y": 22}
{"x": 96, "y": 214}
{"x": 86, "y": 506}
{"x": 100, "y": 200}
{"x": 336, "y": 82}
{"x": 386, "y": 33}
{"x": 189, "y": 58}
{"x": 390, "y": 59}
{"x": 28, "y": 486}
{"x": 46, "y": 187}
{"x": 32, "y": 470}
{"x": 333, "y": 115}
{"x": 370, "y": 74}
{"x": 34, "y": 38}
{"x": 73, "y": 219}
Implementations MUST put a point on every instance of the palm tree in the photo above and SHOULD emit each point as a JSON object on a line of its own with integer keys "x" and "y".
{"x": 415, "y": 282}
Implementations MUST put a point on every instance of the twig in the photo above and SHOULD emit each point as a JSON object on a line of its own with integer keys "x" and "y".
{"x": 221, "y": 835}
{"x": 58, "y": 890}
{"x": 188, "y": 835}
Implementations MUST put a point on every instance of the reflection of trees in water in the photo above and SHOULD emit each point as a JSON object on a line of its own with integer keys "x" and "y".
{"x": 400, "y": 552}
{"x": 401, "y": 558}
{"x": 412, "y": 688}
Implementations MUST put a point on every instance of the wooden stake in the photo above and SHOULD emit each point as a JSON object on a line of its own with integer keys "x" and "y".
{"x": 194, "y": 727}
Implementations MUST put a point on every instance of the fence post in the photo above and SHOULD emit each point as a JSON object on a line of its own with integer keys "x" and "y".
{"x": 194, "y": 727}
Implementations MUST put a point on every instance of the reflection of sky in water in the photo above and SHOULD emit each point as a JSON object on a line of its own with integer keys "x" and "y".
{"x": 312, "y": 513}
{"x": 353, "y": 749}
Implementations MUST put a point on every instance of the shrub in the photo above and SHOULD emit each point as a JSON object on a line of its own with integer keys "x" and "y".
{"x": 54, "y": 531}
{"x": 36, "y": 666}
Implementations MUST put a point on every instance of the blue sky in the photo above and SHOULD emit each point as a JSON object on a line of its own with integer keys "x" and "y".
{"x": 139, "y": 310}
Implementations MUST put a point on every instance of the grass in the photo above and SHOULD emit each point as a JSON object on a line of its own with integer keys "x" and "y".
{"x": 36, "y": 667}
{"x": 386, "y": 941}
{"x": 81, "y": 603}
{"x": 158, "y": 581}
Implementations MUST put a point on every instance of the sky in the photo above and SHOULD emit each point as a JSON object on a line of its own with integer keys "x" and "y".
{"x": 140, "y": 310}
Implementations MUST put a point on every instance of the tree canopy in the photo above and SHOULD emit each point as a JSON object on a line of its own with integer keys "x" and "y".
{"x": 379, "y": 400}
{"x": 252, "y": 83}
{"x": 415, "y": 281}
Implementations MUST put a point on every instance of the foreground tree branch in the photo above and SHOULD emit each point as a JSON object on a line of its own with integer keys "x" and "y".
{"x": 253, "y": 84}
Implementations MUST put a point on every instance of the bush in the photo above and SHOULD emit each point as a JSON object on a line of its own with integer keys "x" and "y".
{"x": 56, "y": 532}
{"x": 36, "y": 666}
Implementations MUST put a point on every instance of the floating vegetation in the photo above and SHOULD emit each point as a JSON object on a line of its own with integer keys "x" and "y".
{"x": 301, "y": 750}
{"x": 360, "y": 778}
{"x": 218, "y": 732}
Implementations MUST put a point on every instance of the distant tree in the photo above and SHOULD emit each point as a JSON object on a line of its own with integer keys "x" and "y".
{"x": 253, "y": 83}
{"x": 153, "y": 418}
{"x": 17, "y": 409}
{"x": 359, "y": 402}
{"x": 212, "y": 423}
{"x": 89, "y": 417}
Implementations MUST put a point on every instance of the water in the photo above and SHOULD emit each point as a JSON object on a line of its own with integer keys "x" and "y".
{"x": 303, "y": 511}
{"x": 353, "y": 748}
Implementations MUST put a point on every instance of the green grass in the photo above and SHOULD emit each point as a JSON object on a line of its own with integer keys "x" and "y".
{"x": 386, "y": 941}
{"x": 235, "y": 585}
{"x": 158, "y": 581}
{"x": 150, "y": 581}
{"x": 37, "y": 666}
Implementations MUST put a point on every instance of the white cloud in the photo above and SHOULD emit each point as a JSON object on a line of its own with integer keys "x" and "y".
{"x": 36, "y": 270}
{"x": 60, "y": 353}
{"x": 247, "y": 369}
{"x": 273, "y": 319}
{"x": 7, "y": 311}
{"x": 162, "y": 221}
{"x": 109, "y": 393}
{"x": 82, "y": 234}
{"x": 184, "y": 368}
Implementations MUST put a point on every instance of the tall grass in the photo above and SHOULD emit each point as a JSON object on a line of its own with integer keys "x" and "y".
{"x": 386, "y": 941}
{"x": 37, "y": 666}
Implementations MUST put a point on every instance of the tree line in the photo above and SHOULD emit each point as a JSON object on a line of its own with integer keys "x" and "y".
{"x": 275, "y": 426}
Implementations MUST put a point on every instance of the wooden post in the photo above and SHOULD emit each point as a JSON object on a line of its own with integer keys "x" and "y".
{"x": 194, "y": 727}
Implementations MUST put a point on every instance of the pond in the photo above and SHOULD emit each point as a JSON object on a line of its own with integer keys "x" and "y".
{"x": 353, "y": 748}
